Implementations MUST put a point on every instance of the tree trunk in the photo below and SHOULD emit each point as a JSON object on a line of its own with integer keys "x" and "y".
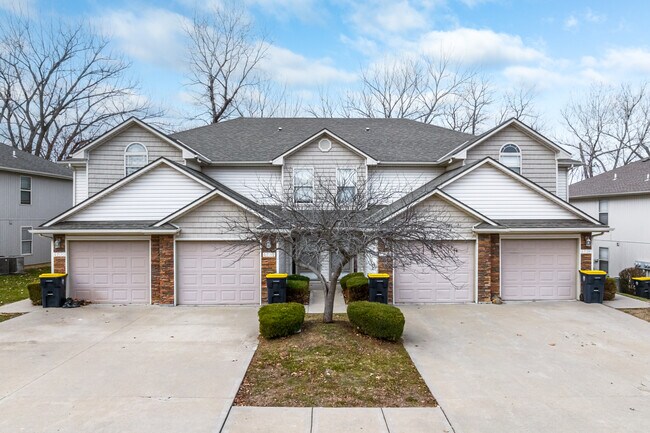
{"x": 330, "y": 293}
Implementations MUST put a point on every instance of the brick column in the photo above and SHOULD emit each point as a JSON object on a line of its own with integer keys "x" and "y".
{"x": 585, "y": 258}
{"x": 59, "y": 260}
{"x": 162, "y": 269}
{"x": 495, "y": 265}
{"x": 269, "y": 265}
{"x": 484, "y": 271}
{"x": 385, "y": 266}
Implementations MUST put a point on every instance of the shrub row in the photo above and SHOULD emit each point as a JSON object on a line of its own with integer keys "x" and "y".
{"x": 610, "y": 289}
{"x": 298, "y": 289}
{"x": 297, "y": 277}
{"x": 281, "y": 320}
{"x": 625, "y": 279}
{"x": 34, "y": 290}
{"x": 377, "y": 320}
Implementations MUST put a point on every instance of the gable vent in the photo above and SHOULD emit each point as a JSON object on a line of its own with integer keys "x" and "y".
{"x": 325, "y": 145}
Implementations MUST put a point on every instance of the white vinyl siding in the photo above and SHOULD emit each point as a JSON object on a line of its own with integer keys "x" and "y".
{"x": 252, "y": 182}
{"x": 213, "y": 219}
{"x": 80, "y": 185}
{"x": 462, "y": 222}
{"x": 562, "y": 185}
{"x": 106, "y": 162}
{"x": 538, "y": 162}
{"x": 151, "y": 196}
{"x": 499, "y": 196}
{"x": 399, "y": 181}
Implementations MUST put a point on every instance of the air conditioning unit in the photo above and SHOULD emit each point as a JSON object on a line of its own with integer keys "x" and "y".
{"x": 643, "y": 265}
{"x": 11, "y": 265}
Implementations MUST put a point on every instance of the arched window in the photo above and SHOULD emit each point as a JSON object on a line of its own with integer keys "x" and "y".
{"x": 510, "y": 156}
{"x": 135, "y": 157}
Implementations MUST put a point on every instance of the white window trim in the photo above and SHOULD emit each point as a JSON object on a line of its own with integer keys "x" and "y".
{"x": 126, "y": 153}
{"x": 31, "y": 189}
{"x": 520, "y": 154}
{"x": 31, "y": 241}
{"x": 356, "y": 179}
{"x": 293, "y": 183}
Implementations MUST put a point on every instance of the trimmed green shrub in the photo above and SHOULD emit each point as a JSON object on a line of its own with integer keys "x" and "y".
{"x": 34, "y": 290}
{"x": 298, "y": 291}
{"x": 357, "y": 289}
{"x": 343, "y": 281}
{"x": 610, "y": 289}
{"x": 626, "y": 283}
{"x": 297, "y": 277}
{"x": 377, "y": 320}
{"x": 281, "y": 320}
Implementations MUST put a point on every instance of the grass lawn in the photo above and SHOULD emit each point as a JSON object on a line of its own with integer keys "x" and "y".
{"x": 7, "y": 316}
{"x": 641, "y": 313}
{"x": 331, "y": 365}
{"x": 634, "y": 297}
{"x": 14, "y": 287}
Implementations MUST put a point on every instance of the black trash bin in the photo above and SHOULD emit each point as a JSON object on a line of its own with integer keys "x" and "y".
{"x": 52, "y": 289}
{"x": 642, "y": 287}
{"x": 592, "y": 284}
{"x": 276, "y": 285}
{"x": 378, "y": 288}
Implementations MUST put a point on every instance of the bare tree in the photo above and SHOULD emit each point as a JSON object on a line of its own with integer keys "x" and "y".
{"x": 325, "y": 219}
{"x": 224, "y": 55}
{"x": 327, "y": 106}
{"x": 468, "y": 111}
{"x": 267, "y": 99}
{"x": 519, "y": 103}
{"x": 60, "y": 87}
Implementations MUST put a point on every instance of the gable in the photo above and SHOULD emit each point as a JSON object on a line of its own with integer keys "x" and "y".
{"x": 151, "y": 196}
{"x": 213, "y": 220}
{"x": 538, "y": 160}
{"x": 462, "y": 221}
{"x": 106, "y": 160}
{"x": 499, "y": 196}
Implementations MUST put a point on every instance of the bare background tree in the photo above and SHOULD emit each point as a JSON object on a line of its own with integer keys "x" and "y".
{"x": 60, "y": 87}
{"x": 311, "y": 223}
{"x": 224, "y": 55}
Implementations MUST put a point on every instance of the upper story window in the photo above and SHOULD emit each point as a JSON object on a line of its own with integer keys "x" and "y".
{"x": 303, "y": 185}
{"x": 603, "y": 211}
{"x": 510, "y": 156}
{"x": 25, "y": 190}
{"x": 346, "y": 185}
{"x": 135, "y": 157}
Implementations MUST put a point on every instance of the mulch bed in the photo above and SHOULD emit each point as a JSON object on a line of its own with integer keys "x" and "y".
{"x": 641, "y": 313}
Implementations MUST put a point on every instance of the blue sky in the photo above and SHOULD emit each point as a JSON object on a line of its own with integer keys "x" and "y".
{"x": 560, "y": 46}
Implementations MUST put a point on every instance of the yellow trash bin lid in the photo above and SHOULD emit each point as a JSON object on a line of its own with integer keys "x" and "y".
{"x": 276, "y": 275}
{"x": 378, "y": 276}
{"x": 589, "y": 272}
{"x": 641, "y": 278}
{"x": 52, "y": 275}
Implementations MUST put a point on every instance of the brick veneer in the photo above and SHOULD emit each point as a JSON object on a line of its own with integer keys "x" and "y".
{"x": 162, "y": 269}
{"x": 488, "y": 277}
{"x": 60, "y": 261}
{"x": 269, "y": 266}
{"x": 385, "y": 266}
{"x": 585, "y": 258}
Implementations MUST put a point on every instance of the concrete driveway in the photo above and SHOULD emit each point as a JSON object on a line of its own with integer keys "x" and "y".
{"x": 534, "y": 367}
{"x": 123, "y": 368}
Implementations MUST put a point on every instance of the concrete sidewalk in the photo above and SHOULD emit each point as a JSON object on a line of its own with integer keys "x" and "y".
{"x": 622, "y": 301}
{"x": 317, "y": 299}
{"x": 245, "y": 419}
{"x": 24, "y": 306}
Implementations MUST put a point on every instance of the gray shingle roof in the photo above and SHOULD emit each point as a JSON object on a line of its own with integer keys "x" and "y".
{"x": 541, "y": 224}
{"x": 27, "y": 163}
{"x": 387, "y": 140}
{"x": 632, "y": 178}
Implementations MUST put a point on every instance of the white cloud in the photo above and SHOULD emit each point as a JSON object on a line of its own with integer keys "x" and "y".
{"x": 384, "y": 17}
{"x": 152, "y": 35}
{"x": 480, "y": 47}
{"x": 594, "y": 17}
{"x": 285, "y": 66}
{"x": 20, "y": 7}
{"x": 538, "y": 76}
{"x": 305, "y": 10}
{"x": 571, "y": 23}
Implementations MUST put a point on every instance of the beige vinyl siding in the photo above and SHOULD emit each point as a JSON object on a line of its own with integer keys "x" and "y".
{"x": 538, "y": 161}
{"x": 629, "y": 240}
{"x": 252, "y": 182}
{"x": 562, "y": 186}
{"x": 462, "y": 222}
{"x": 106, "y": 162}
{"x": 213, "y": 220}
{"x": 400, "y": 179}
{"x": 497, "y": 195}
{"x": 151, "y": 196}
{"x": 324, "y": 163}
{"x": 80, "y": 184}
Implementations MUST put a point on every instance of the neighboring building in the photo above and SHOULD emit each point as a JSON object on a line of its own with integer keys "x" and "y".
{"x": 619, "y": 198}
{"x": 150, "y": 221}
{"x": 32, "y": 190}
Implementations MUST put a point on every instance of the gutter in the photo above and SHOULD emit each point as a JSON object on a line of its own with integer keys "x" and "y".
{"x": 105, "y": 231}
{"x": 544, "y": 230}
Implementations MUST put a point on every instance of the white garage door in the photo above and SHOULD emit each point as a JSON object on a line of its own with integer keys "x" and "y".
{"x": 109, "y": 271}
{"x": 538, "y": 269}
{"x": 217, "y": 273}
{"x": 419, "y": 284}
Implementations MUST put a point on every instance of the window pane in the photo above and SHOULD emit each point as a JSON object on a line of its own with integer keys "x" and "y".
{"x": 603, "y": 265}
{"x": 302, "y": 177}
{"x": 303, "y": 194}
{"x": 345, "y": 194}
{"x": 136, "y": 148}
{"x": 136, "y": 161}
{"x": 510, "y": 148}
{"x": 25, "y": 197}
{"x": 603, "y": 206}
{"x": 26, "y": 247}
{"x": 25, "y": 235}
{"x": 25, "y": 182}
{"x": 603, "y": 253}
{"x": 603, "y": 218}
{"x": 346, "y": 177}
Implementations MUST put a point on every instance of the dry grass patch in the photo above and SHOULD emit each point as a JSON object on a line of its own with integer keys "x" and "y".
{"x": 7, "y": 316}
{"x": 332, "y": 365}
{"x": 641, "y": 313}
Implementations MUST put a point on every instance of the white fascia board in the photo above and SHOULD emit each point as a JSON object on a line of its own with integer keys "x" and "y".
{"x": 280, "y": 159}
{"x": 36, "y": 173}
{"x": 545, "y": 230}
{"x": 120, "y": 183}
{"x": 105, "y": 231}
{"x": 526, "y": 182}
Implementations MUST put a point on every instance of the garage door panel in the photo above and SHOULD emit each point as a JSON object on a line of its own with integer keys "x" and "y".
{"x": 538, "y": 269}
{"x": 109, "y": 271}
{"x": 421, "y": 284}
{"x": 217, "y": 273}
